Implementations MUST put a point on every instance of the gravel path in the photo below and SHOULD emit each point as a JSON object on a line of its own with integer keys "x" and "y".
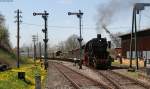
{"x": 55, "y": 80}
{"x": 80, "y": 80}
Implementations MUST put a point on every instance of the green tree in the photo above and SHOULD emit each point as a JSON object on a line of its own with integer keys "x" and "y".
{"x": 4, "y": 35}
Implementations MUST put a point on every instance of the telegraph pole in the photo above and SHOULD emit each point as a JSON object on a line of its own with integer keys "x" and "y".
{"x": 18, "y": 36}
{"x": 79, "y": 15}
{"x": 34, "y": 40}
{"x": 37, "y": 45}
{"x": 44, "y": 16}
{"x": 28, "y": 50}
{"x": 40, "y": 49}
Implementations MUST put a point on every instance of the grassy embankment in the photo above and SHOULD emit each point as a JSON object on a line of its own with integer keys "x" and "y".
{"x": 9, "y": 79}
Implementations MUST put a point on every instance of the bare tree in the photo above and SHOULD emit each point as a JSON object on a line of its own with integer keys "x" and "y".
{"x": 117, "y": 41}
{"x": 61, "y": 46}
{"x": 72, "y": 43}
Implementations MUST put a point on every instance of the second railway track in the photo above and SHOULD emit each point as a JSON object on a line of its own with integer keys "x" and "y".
{"x": 121, "y": 81}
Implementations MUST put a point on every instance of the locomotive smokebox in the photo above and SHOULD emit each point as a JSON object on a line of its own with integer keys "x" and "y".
{"x": 99, "y": 36}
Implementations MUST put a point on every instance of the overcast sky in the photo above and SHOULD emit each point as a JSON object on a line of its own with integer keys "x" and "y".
{"x": 61, "y": 26}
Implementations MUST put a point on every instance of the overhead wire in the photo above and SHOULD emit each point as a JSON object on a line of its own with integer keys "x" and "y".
{"x": 146, "y": 15}
{"x": 121, "y": 27}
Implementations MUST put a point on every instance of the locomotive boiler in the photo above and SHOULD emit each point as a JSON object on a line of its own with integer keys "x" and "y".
{"x": 96, "y": 53}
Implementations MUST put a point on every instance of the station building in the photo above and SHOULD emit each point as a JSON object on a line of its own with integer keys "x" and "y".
{"x": 143, "y": 44}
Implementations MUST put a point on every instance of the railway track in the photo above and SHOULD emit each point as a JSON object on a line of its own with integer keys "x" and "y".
{"x": 121, "y": 81}
{"x": 78, "y": 80}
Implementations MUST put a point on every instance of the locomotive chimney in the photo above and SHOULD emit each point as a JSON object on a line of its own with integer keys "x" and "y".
{"x": 99, "y": 36}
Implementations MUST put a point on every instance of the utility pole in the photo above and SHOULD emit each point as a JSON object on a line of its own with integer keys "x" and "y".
{"x": 44, "y": 16}
{"x": 28, "y": 50}
{"x": 40, "y": 49}
{"x": 34, "y": 40}
{"x": 18, "y": 36}
{"x": 37, "y": 45}
{"x": 79, "y": 15}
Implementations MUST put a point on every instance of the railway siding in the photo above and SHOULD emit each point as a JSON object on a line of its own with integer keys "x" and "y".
{"x": 130, "y": 83}
{"x": 147, "y": 86}
{"x": 79, "y": 80}
{"x": 92, "y": 74}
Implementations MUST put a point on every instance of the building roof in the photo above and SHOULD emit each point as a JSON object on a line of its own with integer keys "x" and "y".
{"x": 145, "y": 32}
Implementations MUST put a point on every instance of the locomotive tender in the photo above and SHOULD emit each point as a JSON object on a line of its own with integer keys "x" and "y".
{"x": 96, "y": 53}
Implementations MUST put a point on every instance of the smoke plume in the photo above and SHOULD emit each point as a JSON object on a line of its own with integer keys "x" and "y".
{"x": 107, "y": 13}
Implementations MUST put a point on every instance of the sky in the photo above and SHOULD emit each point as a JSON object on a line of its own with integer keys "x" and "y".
{"x": 60, "y": 25}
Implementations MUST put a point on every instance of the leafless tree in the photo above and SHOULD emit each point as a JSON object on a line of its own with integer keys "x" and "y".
{"x": 117, "y": 41}
{"x": 61, "y": 46}
{"x": 72, "y": 43}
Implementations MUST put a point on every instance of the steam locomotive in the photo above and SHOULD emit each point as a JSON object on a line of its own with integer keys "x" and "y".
{"x": 96, "y": 54}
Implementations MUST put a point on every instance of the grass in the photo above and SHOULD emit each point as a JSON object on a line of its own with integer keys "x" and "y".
{"x": 117, "y": 63}
{"x": 126, "y": 64}
{"x": 7, "y": 58}
{"x": 9, "y": 79}
{"x": 11, "y": 59}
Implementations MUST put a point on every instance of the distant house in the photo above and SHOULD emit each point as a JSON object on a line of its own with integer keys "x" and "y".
{"x": 143, "y": 44}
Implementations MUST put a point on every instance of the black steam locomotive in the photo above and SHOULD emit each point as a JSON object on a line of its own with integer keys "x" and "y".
{"x": 96, "y": 54}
